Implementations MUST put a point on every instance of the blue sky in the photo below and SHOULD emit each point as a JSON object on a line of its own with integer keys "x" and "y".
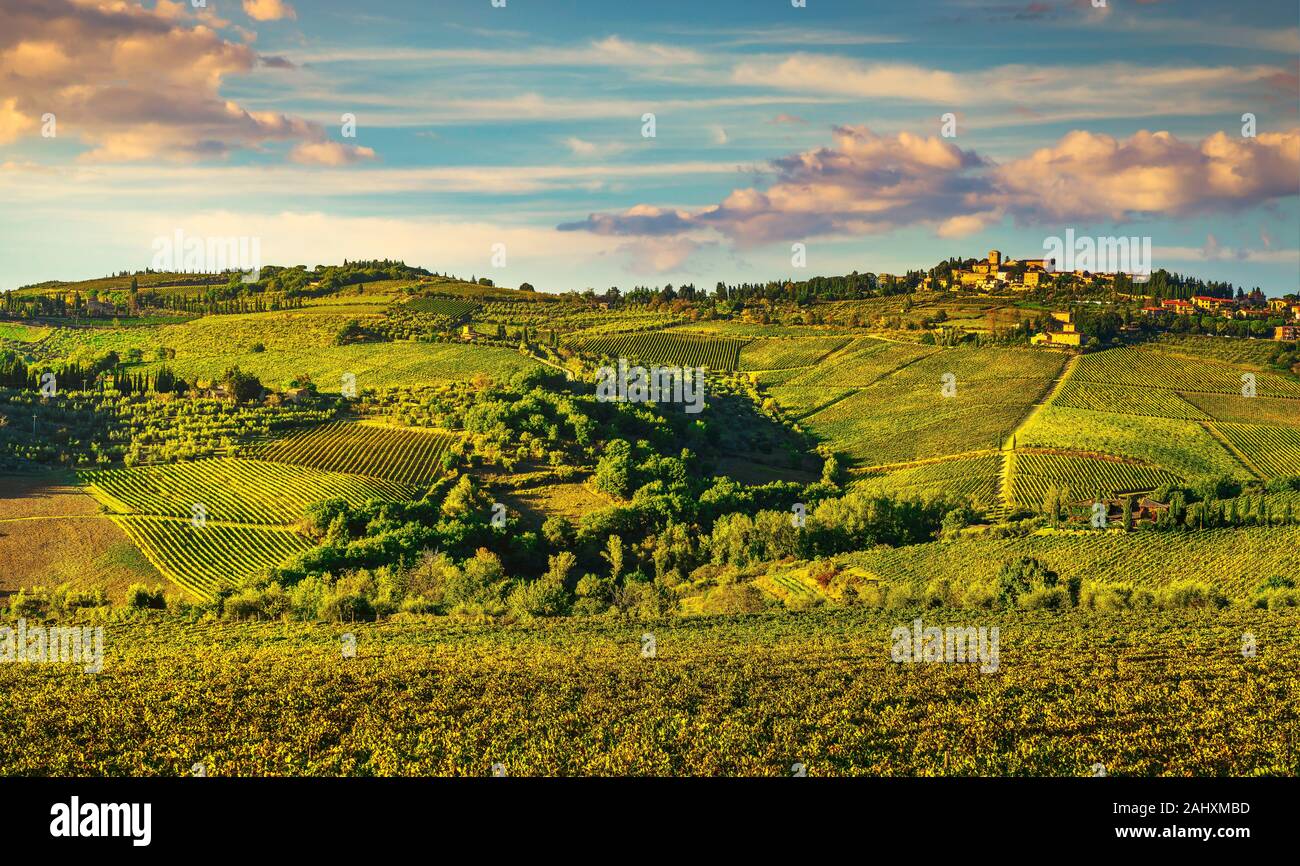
{"x": 774, "y": 125}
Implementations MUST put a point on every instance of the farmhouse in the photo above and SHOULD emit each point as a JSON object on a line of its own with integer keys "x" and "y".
{"x": 1061, "y": 332}
{"x": 1287, "y": 333}
{"x": 1211, "y": 304}
{"x": 1145, "y": 509}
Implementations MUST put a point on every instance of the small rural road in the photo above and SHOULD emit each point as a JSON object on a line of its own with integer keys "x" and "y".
{"x": 1009, "y": 445}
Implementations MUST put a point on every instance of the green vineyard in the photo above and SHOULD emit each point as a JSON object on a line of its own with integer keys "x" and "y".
{"x": 780, "y": 354}
{"x": 204, "y": 558}
{"x": 1213, "y": 556}
{"x": 678, "y": 350}
{"x": 1127, "y": 400}
{"x": 1083, "y": 477}
{"x": 233, "y": 490}
{"x": 860, "y": 364}
{"x": 1154, "y": 369}
{"x": 974, "y": 478}
{"x": 1180, "y": 446}
{"x": 1275, "y": 450}
{"x": 452, "y": 308}
{"x": 923, "y": 405}
{"x": 406, "y": 455}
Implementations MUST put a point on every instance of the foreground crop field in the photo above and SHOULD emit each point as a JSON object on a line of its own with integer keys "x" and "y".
{"x": 1141, "y": 694}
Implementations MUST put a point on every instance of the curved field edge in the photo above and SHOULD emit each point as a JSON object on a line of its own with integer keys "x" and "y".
{"x": 232, "y": 489}
{"x": 203, "y": 559}
{"x": 403, "y": 455}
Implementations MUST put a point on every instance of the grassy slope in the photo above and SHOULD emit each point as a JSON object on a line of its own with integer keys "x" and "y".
{"x": 1161, "y": 408}
{"x": 895, "y": 409}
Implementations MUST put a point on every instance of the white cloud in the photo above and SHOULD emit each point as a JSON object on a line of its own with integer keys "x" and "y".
{"x": 12, "y": 122}
{"x": 591, "y": 149}
{"x": 868, "y": 183}
{"x": 1025, "y": 93}
{"x": 1213, "y": 251}
{"x": 111, "y": 184}
{"x": 612, "y": 51}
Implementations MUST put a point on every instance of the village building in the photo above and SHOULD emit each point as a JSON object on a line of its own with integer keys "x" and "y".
{"x": 1253, "y": 313}
{"x": 995, "y": 273}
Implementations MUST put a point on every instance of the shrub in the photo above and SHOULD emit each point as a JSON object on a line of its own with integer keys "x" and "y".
{"x": 899, "y": 597}
{"x": 823, "y": 571}
{"x": 1279, "y": 599}
{"x": 26, "y": 603}
{"x": 981, "y": 594}
{"x": 940, "y": 592}
{"x": 270, "y": 602}
{"x": 1277, "y": 581}
{"x": 68, "y": 598}
{"x": 1045, "y": 598}
{"x": 1018, "y": 577}
{"x": 141, "y": 597}
{"x": 1191, "y": 594}
{"x": 242, "y": 386}
{"x": 733, "y": 598}
{"x": 1108, "y": 596}
{"x": 805, "y": 601}
{"x": 543, "y": 597}
{"x": 345, "y": 606}
{"x": 419, "y": 604}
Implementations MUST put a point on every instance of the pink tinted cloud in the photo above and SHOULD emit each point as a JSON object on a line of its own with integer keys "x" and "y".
{"x": 269, "y": 10}
{"x": 133, "y": 83}
{"x": 868, "y": 183}
{"x": 330, "y": 153}
{"x": 1088, "y": 177}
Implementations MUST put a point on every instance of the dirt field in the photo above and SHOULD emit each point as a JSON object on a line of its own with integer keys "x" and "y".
{"x": 52, "y": 533}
